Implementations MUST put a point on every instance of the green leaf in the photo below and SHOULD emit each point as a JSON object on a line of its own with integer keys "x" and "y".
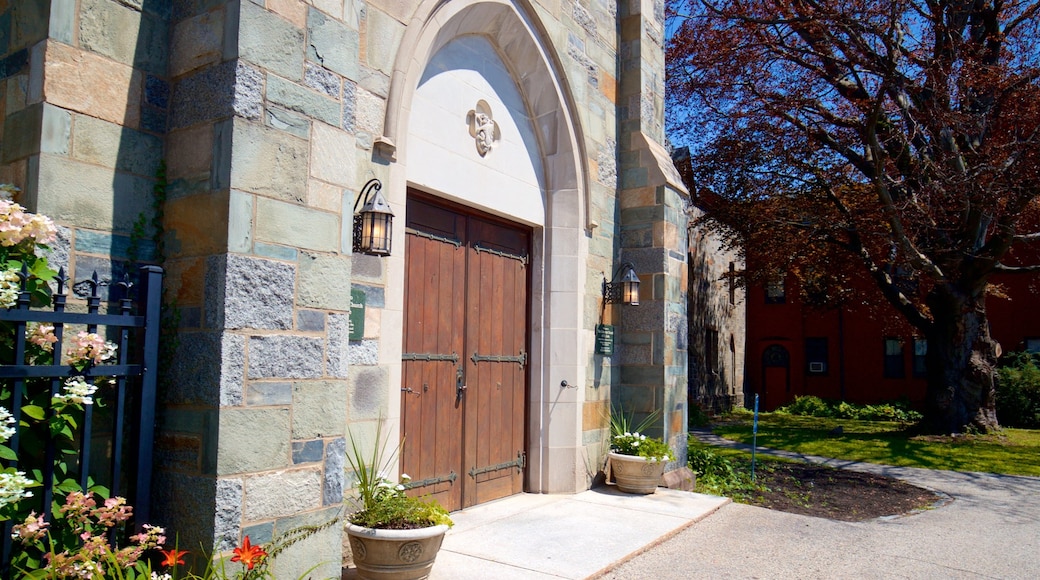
{"x": 42, "y": 270}
{"x": 100, "y": 490}
{"x": 34, "y": 412}
{"x": 7, "y": 453}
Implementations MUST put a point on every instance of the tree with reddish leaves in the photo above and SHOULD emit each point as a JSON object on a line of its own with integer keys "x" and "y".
{"x": 891, "y": 139}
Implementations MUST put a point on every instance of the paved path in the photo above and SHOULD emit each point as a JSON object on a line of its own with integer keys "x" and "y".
{"x": 561, "y": 537}
{"x": 989, "y": 527}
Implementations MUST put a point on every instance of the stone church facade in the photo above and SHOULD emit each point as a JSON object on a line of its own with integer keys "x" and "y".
{"x": 536, "y": 123}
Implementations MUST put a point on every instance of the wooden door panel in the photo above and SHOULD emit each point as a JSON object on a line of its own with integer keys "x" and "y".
{"x": 431, "y": 425}
{"x": 497, "y": 438}
{"x": 465, "y": 293}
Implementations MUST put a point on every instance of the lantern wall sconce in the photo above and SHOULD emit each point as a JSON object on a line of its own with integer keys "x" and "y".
{"x": 623, "y": 288}
{"x": 373, "y": 225}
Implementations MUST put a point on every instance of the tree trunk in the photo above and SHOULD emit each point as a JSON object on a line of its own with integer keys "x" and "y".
{"x": 962, "y": 364}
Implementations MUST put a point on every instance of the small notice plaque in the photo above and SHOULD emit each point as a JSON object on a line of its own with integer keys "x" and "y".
{"x": 604, "y": 339}
{"x": 357, "y": 315}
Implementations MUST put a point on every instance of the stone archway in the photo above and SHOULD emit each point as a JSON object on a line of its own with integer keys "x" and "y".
{"x": 555, "y": 460}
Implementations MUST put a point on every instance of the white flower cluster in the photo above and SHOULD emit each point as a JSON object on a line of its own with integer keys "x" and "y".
{"x": 77, "y": 390}
{"x": 12, "y": 487}
{"x": 6, "y": 424}
{"x": 10, "y": 286}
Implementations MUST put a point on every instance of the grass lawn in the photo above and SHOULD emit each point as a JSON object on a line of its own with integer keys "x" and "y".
{"x": 1011, "y": 451}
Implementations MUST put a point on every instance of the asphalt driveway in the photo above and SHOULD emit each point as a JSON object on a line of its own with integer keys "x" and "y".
{"x": 987, "y": 526}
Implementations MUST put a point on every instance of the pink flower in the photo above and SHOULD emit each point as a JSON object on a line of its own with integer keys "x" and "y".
{"x": 12, "y": 220}
{"x": 129, "y": 556}
{"x": 78, "y": 507}
{"x": 31, "y": 530}
{"x": 42, "y": 335}
{"x": 40, "y": 228}
{"x": 152, "y": 537}
{"x": 90, "y": 348}
{"x": 115, "y": 511}
{"x": 17, "y": 225}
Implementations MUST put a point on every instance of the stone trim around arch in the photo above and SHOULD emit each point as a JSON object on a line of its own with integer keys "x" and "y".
{"x": 544, "y": 88}
{"x": 556, "y": 453}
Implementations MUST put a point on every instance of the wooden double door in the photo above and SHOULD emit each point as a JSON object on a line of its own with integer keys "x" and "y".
{"x": 465, "y": 360}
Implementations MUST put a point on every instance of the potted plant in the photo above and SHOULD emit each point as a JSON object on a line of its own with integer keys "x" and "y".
{"x": 636, "y": 461}
{"x": 392, "y": 536}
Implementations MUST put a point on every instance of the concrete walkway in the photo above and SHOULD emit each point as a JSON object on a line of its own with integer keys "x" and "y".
{"x": 987, "y": 527}
{"x": 534, "y": 537}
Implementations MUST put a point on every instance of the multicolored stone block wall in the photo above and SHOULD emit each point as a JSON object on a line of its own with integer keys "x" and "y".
{"x": 83, "y": 113}
{"x": 264, "y": 171}
{"x": 652, "y": 228}
{"x": 268, "y": 113}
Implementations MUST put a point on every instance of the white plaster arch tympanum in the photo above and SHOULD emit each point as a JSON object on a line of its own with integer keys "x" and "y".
{"x": 556, "y": 459}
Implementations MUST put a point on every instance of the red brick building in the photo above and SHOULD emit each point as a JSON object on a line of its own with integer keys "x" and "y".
{"x": 860, "y": 353}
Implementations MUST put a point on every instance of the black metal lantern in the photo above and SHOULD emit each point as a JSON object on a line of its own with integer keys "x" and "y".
{"x": 624, "y": 288}
{"x": 373, "y": 225}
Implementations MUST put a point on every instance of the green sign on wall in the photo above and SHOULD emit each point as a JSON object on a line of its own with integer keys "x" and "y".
{"x": 604, "y": 339}
{"x": 357, "y": 314}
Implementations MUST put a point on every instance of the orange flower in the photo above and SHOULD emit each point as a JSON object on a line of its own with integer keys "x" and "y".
{"x": 248, "y": 554}
{"x": 173, "y": 557}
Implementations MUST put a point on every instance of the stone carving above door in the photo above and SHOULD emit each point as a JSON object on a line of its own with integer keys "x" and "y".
{"x": 483, "y": 127}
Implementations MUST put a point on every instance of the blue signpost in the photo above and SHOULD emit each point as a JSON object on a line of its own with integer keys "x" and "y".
{"x": 754, "y": 439}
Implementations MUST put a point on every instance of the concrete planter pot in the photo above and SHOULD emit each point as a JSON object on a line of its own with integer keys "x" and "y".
{"x": 395, "y": 554}
{"x": 635, "y": 474}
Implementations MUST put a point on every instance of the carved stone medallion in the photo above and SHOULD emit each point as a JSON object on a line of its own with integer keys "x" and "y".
{"x": 483, "y": 127}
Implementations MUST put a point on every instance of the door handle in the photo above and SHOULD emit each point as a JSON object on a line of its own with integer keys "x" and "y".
{"x": 460, "y": 384}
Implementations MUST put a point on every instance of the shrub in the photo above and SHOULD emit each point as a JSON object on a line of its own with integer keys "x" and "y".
{"x": 706, "y": 462}
{"x": 698, "y": 418}
{"x": 716, "y": 474}
{"x": 813, "y": 406}
{"x": 1018, "y": 391}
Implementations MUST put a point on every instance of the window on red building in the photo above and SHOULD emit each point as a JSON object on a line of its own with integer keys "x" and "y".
{"x": 816, "y": 356}
{"x": 894, "y": 367}
{"x": 920, "y": 350}
{"x": 775, "y": 291}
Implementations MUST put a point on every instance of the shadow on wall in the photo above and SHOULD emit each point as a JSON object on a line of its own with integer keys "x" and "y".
{"x": 184, "y": 487}
{"x": 715, "y": 324}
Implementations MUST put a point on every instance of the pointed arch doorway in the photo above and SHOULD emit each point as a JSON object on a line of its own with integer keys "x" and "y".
{"x": 467, "y": 52}
{"x": 464, "y": 376}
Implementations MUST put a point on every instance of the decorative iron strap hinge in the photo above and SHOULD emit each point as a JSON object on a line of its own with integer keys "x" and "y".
{"x": 520, "y": 359}
{"x": 519, "y": 463}
{"x": 522, "y": 258}
{"x": 451, "y": 477}
{"x": 433, "y": 237}
{"x": 428, "y": 357}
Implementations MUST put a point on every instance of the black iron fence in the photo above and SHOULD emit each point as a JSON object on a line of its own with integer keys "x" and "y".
{"x": 116, "y": 434}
